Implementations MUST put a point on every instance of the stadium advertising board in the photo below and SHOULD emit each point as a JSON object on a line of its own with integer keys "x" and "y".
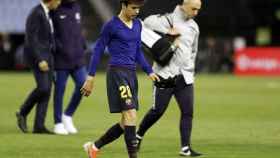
{"x": 257, "y": 61}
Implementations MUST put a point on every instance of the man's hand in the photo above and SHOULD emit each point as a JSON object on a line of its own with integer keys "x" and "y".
{"x": 88, "y": 86}
{"x": 173, "y": 31}
{"x": 176, "y": 43}
{"x": 43, "y": 66}
{"x": 154, "y": 77}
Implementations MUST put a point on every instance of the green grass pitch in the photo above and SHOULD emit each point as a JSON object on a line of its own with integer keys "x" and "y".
{"x": 235, "y": 117}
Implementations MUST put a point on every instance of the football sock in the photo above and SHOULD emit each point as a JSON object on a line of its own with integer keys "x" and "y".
{"x": 112, "y": 134}
{"x": 131, "y": 141}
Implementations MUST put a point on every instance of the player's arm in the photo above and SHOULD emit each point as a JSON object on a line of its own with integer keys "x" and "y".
{"x": 140, "y": 59}
{"x": 88, "y": 86}
{"x": 98, "y": 51}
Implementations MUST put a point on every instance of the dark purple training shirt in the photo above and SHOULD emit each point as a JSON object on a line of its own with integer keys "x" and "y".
{"x": 124, "y": 46}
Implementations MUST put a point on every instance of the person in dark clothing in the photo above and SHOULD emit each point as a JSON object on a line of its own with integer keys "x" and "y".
{"x": 39, "y": 46}
{"x": 122, "y": 36}
{"x": 69, "y": 60}
{"x": 177, "y": 77}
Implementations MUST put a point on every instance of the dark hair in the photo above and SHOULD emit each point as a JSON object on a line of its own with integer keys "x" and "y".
{"x": 66, "y": 1}
{"x": 181, "y": 2}
{"x": 126, "y": 2}
{"x": 46, "y": 1}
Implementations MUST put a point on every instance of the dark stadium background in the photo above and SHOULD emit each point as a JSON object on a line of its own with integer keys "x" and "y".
{"x": 220, "y": 22}
{"x": 234, "y": 117}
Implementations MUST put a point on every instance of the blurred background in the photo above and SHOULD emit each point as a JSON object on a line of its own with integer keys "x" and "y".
{"x": 237, "y": 36}
{"x": 235, "y": 117}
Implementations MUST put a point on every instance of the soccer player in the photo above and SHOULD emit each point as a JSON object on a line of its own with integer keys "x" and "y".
{"x": 177, "y": 77}
{"x": 122, "y": 36}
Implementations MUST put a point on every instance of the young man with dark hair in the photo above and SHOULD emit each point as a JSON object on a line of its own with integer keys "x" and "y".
{"x": 69, "y": 59}
{"x": 177, "y": 77}
{"x": 39, "y": 48}
{"x": 122, "y": 36}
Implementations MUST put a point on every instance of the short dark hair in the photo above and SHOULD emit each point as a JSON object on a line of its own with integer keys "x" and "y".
{"x": 126, "y": 2}
{"x": 181, "y": 2}
{"x": 66, "y": 1}
{"x": 46, "y": 1}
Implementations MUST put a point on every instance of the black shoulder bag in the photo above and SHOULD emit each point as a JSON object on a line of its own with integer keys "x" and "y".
{"x": 162, "y": 50}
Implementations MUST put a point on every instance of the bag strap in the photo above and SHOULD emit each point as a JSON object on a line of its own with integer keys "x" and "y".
{"x": 168, "y": 20}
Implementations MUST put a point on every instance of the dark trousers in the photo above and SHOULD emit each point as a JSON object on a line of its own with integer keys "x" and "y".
{"x": 184, "y": 95}
{"x": 61, "y": 76}
{"x": 40, "y": 97}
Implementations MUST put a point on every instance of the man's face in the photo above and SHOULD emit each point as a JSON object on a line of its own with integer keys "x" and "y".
{"x": 132, "y": 10}
{"x": 191, "y": 8}
{"x": 53, "y": 4}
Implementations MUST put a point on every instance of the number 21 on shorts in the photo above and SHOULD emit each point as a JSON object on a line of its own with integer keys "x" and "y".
{"x": 125, "y": 91}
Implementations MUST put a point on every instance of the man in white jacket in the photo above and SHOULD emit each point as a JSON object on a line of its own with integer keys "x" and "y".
{"x": 177, "y": 77}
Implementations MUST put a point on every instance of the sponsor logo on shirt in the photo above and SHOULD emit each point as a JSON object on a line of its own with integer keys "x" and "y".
{"x": 62, "y": 16}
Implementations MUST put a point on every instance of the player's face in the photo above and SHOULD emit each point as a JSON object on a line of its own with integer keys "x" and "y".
{"x": 132, "y": 10}
{"x": 191, "y": 8}
{"x": 53, "y": 4}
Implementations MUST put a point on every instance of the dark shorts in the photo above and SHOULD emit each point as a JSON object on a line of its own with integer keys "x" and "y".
{"x": 122, "y": 89}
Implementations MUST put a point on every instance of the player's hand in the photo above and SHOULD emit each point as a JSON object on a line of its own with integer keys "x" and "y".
{"x": 43, "y": 66}
{"x": 88, "y": 86}
{"x": 173, "y": 31}
{"x": 154, "y": 77}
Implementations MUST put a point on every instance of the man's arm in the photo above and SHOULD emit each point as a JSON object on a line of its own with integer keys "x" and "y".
{"x": 157, "y": 23}
{"x": 195, "y": 44}
{"x": 190, "y": 51}
{"x": 32, "y": 33}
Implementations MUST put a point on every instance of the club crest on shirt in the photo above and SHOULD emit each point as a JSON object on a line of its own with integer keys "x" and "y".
{"x": 128, "y": 101}
{"x": 62, "y": 16}
{"x": 78, "y": 17}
